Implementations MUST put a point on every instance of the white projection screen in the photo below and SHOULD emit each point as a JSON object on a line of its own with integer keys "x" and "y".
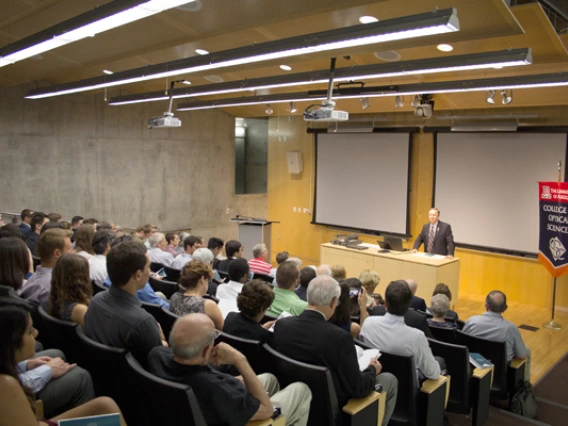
{"x": 362, "y": 181}
{"x": 486, "y": 186}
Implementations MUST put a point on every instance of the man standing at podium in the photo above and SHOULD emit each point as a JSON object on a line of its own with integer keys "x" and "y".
{"x": 437, "y": 236}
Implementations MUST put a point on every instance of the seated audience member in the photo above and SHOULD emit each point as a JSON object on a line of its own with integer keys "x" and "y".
{"x": 54, "y": 217}
{"x": 51, "y": 225}
{"x": 84, "y": 241}
{"x": 66, "y": 225}
{"x": 238, "y": 275}
{"x": 338, "y": 273}
{"x": 234, "y": 250}
{"x": 311, "y": 339}
{"x": 173, "y": 240}
{"x": 281, "y": 257}
{"x": 91, "y": 221}
{"x": 260, "y": 265}
{"x": 142, "y": 233}
{"x": 389, "y": 333}
{"x": 445, "y": 290}
{"x": 370, "y": 280}
{"x": 439, "y": 306}
{"x": 71, "y": 289}
{"x": 192, "y": 287}
{"x": 182, "y": 238}
{"x": 105, "y": 225}
{"x": 158, "y": 252}
{"x": 253, "y": 302}
{"x": 10, "y": 231}
{"x": 216, "y": 246}
{"x": 342, "y": 315}
{"x": 296, "y": 260}
{"x": 190, "y": 244}
{"x": 57, "y": 381}
{"x": 287, "y": 278}
{"x": 224, "y": 399}
{"x": 492, "y": 326}
{"x": 115, "y": 317}
{"x": 418, "y": 304}
{"x": 75, "y": 223}
{"x": 15, "y": 262}
{"x": 206, "y": 256}
{"x": 52, "y": 244}
{"x": 324, "y": 270}
{"x": 25, "y": 227}
{"x": 102, "y": 241}
{"x": 38, "y": 219}
{"x": 306, "y": 275}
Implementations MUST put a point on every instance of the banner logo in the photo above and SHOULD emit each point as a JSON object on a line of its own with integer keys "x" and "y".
{"x": 557, "y": 249}
{"x": 546, "y": 193}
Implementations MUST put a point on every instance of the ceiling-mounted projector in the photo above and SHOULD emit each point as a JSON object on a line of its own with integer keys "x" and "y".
{"x": 164, "y": 121}
{"x": 325, "y": 113}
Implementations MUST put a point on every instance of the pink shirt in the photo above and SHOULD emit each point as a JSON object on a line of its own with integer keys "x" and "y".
{"x": 259, "y": 266}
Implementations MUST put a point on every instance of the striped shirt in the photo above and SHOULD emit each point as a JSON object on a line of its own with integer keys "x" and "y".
{"x": 259, "y": 266}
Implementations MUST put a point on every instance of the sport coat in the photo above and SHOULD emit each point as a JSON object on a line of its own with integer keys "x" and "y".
{"x": 412, "y": 319}
{"x": 418, "y": 304}
{"x": 443, "y": 239}
{"x": 25, "y": 229}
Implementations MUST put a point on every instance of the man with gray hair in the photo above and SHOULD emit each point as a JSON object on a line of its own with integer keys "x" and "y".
{"x": 225, "y": 399}
{"x": 206, "y": 256}
{"x": 417, "y": 303}
{"x": 158, "y": 250}
{"x": 310, "y": 338}
{"x": 259, "y": 264}
{"x": 323, "y": 270}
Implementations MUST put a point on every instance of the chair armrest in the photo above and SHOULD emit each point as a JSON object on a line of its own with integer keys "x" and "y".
{"x": 431, "y": 385}
{"x": 480, "y": 373}
{"x": 278, "y": 421}
{"x": 356, "y": 405}
{"x": 517, "y": 362}
{"x": 39, "y": 409}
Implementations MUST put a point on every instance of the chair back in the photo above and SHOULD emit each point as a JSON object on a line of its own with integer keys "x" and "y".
{"x": 444, "y": 334}
{"x": 167, "y": 403}
{"x": 62, "y": 334}
{"x": 496, "y": 352}
{"x": 172, "y": 274}
{"x": 263, "y": 277}
{"x": 164, "y": 286}
{"x": 97, "y": 288}
{"x": 44, "y": 337}
{"x": 155, "y": 267}
{"x": 165, "y": 318}
{"x": 457, "y": 364}
{"x": 460, "y": 324}
{"x": 251, "y": 349}
{"x": 324, "y": 408}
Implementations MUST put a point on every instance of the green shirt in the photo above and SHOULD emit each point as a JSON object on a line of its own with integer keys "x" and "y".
{"x": 286, "y": 300}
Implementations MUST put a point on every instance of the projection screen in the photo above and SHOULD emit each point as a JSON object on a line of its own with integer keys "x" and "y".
{"x": 362, "y": 181}
{"x": 486, "y": 185}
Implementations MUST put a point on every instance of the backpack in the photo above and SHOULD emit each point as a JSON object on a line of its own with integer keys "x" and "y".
{"x": 524, "y": 401}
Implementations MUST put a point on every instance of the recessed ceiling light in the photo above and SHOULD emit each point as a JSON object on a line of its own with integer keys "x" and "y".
{"x": 367, "y": 19}
{"x": 201, "y": 52}
{"x": 214, "y": 78}
{"x": 286, "y": 67}
{"x": 388, "y": 55}
{"x": 186, "y": 82}
{"x": 108, "y": 72}
{"x": 445, "y": 47}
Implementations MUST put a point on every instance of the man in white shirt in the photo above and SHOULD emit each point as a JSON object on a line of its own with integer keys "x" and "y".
{"x": 238, "y": 275}
{"x": 390, "y": 334}
{"x": 190, "y": 244}
{"x": 158, "y": 252}
{"x": 102, "y": 241}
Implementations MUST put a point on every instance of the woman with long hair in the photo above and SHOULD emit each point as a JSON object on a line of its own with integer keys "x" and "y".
{"x": 15, "y": 262}
{"x": 71, "y": 289}
{"x": 342, "y": 315}
{"x": 84, "y": 241}
{"x": 17, "y": 404}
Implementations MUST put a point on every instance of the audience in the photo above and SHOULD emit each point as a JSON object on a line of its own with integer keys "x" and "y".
{"x": 260, "y": 265}
{"x": 216, "y": 246}
{"x": 115, "y": 317}
{"x": 439, "y": 306}
{"x": 238, "y": 275}
{"x": 142, "y": 233}
{"x": 182, "y": 238}
{"x": 71, "y": 289}
{"x": 311, "y": 339}
{"x": 173, "y": 240}
{"x": 38, "y": 219}
{"x": 76, "y": 222}
{"x": 10, "y": 231}
{"x": 492, "y": 326}
{"x": 306, "y": 275}
{"x": 206, "y": 256}
{"x": 342, "y": 315}
{"x": 224, "y": 399}
{"x": 52, "y": 244}
{"x": 324, "y": 270}
{"x": 158, "y": 252}
{"x": 102, "y": 241}
{"x": 338, "y": 273}
{"x": 445, "y": 290}
{"x": 389, "y": 333}
{"x": 234, "y": 250}
{"x": 190, "y": 244}
{"x": 418, "y": 304}
{"x": 106, "y": 225}
{"x": 370, "y": 280}
{"x": 189, "y": 299}
{"x": 25, "y": 226}
{"x": 51, "y": 225}
{"x": 15, "y": 262}
{"x": 285, "y": 300}
{"x": 253, "y": 302}
{"x": 84, "y": 241}
{"x": 54, "y": 217}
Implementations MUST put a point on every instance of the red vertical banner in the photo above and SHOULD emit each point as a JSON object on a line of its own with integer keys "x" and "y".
{"x": 553, "y": 235}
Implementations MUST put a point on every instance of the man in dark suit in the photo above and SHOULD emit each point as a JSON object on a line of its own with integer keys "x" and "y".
{"x": 417, "y": 303}
{"x": 25, "y": 227}
{"x": 311, "y": 339}
{"x": 437, "y": 236}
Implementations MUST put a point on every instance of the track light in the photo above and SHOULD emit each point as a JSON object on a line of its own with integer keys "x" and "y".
{"x": 490, "y": 97}
{"x": 365, "y": 104}
{"x": 507, "y": 99}
{"x": 416, "y": 101}
{"x": 293, "y": 107}
{"x": 399, "y": 101}
{"x": 268, "y": 110}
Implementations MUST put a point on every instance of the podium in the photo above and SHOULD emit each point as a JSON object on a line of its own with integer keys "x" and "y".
{"x": 253, "y": 231}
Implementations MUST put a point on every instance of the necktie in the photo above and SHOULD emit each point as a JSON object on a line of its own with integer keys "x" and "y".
{"x": 430, "y": 248}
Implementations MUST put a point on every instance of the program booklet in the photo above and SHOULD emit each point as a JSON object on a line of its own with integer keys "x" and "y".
{"x": 102, "y": 420}
{"x": 479, "y": 361}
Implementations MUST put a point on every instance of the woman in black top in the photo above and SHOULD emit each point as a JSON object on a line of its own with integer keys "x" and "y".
{"x": 253, "y": 301}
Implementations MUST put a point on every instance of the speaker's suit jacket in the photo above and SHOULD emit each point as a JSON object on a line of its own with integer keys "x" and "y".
{"x": 443, "y": 239}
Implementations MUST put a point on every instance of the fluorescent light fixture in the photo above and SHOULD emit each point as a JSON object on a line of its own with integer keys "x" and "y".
{"x": 513, "y": 57}
{"x": 367, "y": 19}
{"x": 108, "y": 72}
{"x": 106, "y": 17}
{"x": 486, "y": 126}
{"x": 445, "y": 47}
{"x": 460, "y": 86}
{"x": 286, "y": 67}
{"x": 202, "y": 52}
{"x": 438, "y": 22}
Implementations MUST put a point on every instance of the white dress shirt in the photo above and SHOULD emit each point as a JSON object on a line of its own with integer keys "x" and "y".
{"x": 98, "y": 268}
{"x": 180, "y": 261}
{"x": 157, "y": 255}
{"x": 229, "y": 290}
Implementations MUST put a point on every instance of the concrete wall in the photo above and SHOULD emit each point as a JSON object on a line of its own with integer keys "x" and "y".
{"x": 76, "y": 155}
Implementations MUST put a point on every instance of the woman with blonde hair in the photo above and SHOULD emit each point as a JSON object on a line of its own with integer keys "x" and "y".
{"x": 338, "y": 272}
{"x": 370, "y": 280}
{"x": 84, "y": 241}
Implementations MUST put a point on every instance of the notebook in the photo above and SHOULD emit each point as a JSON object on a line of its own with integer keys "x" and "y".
{"x": 479, "y": 361}
{"x": 103, "y": 420}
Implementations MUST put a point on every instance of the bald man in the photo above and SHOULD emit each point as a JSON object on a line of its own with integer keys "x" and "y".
{"x": 418, "y": 304}
{"x": 224, "y": 399}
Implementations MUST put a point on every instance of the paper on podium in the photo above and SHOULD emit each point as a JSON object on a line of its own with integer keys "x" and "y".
{"x": 430, "y": 255}
{"x": 373, "y": 246}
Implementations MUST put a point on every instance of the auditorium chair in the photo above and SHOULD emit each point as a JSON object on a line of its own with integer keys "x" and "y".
{"x": 163, "y": 316}
{"x": 155, "y": 267}
{"x": 415, "y": 405}
{"x": 172, "y": 274}
{"x": 266, "y": 278}
{"x": 468, "y": 392}
{"x": 172, "y": 404}
{"x": 444, "y": 334}
{"x": 507, "y": 377}
{"x": 251, "y": 349}
{"x": 97, "y": 288}
{"x": 324, "y": 407}
{"x": 62, "y": 334}
{"x": 43, "y": 333}
{"x": 168, "y": 288}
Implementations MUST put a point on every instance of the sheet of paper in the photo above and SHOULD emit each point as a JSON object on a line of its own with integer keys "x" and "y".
{"x": 366, "y": 357}
{"x": 373, "y": 246}
{"x": 430, "y": 255}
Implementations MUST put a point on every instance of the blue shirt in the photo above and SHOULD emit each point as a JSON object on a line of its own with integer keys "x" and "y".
{"x": 146, "y": 295}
